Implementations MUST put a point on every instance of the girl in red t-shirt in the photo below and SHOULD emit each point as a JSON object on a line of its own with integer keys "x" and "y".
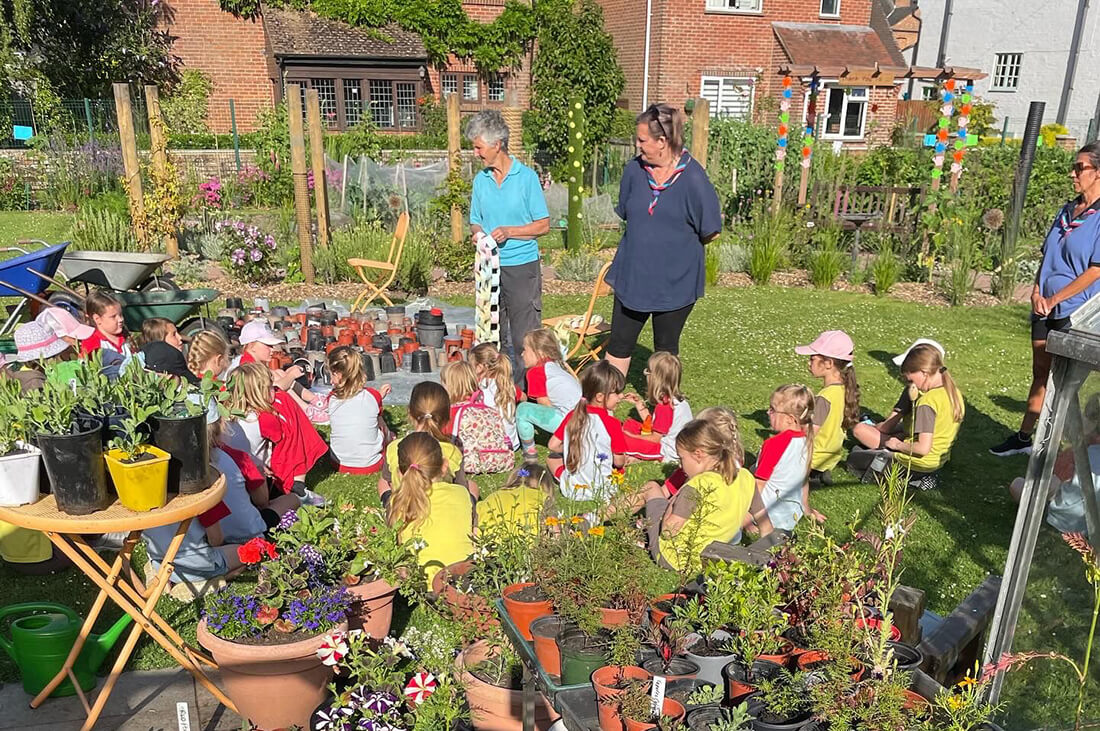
{"x": 105, "y": 313}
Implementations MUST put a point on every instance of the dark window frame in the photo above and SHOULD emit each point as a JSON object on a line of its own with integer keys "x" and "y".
{"x": 302, "y": 73}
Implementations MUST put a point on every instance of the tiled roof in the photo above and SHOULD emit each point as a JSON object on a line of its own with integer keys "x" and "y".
{"x": 820, "y": 44}
{"x": 304, "y": 33}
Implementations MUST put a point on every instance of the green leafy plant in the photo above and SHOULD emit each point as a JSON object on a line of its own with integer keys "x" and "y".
{"x": 713, "y": 266}
{"x": 885, "y": 268}
{"x": 732, "y": 257}
{"x": 718, "y": 611}
{"x": 706, "y": 695}
{"x": 578, "y": 265}
{"x": 783, "y": 697}
{"x": 376, "y": 550}
{"x": 13, "y": 416}
{"x": 770, "y": 237}
{"x": 50, "y": 409}
{"x": 184, "y": 109}
{"x": 826, "y": 261}
{"x": 737, "y": 718}
{"x": 101, "y": 229}
{"x": 961, "y": 261}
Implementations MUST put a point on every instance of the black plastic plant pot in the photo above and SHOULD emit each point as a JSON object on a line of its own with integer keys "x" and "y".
{"x": 74, "y": 462}
{"x": 421, "y": 361}
{"x": 386, "y": 363}
{"x": 382, "y": 342}
{"x": 702, "y": 718}
{"x": 234, "y": 303}
{"x": 907, "y": 657}
{"x": 425, "y": 317}
{"x": 677, "y": 667}
{"x": 682, "y": 688}
{"x": 765, "y": 721}
{"x": 186, "y": 442}
{"x": 329, "y": 317}
{"x": 368, "y": 366}
{"x": 314, "y": 339}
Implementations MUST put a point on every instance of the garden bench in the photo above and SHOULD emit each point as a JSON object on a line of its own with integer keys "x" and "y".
{"x": 877, "y": 207}
{"x": 952, "y": 647}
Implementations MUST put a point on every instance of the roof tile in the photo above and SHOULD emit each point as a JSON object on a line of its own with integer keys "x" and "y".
{"x": 304, "y": 33}
{"x": 821, "y": 44}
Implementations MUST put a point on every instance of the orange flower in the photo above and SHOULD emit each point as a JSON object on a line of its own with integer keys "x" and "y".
{"x": 596, "y": 530}
{"x": 576, "y": 519}
{"x": 552, "y": 521}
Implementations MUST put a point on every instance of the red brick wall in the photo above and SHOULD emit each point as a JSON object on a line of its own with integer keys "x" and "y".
{"x": 625, "y": 21}
{"x": 231, "y": 52}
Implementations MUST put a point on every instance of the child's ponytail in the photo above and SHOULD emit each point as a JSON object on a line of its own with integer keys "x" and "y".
{"x": 420, "y": 462}
{"x": 574, "y": 435}
{"x": 349, "y": 364}
{"x": 499, "y": 368}
{"x": 663, "y": 381}
{"x": 709, "y": 436}
{"x": 927, "y": 359}
{"x": 798, "y": 401}
{"x": 725, "y": 423}
{"x": 600, "y": 378}
{"x": 545, "y": 345}
{"x": 851, "y": 394}
{"x": 958, "y": 408}
{"x": 430, "y": 408}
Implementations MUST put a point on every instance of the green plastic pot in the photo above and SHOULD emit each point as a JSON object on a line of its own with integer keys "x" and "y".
{"x": 581, "y": 655}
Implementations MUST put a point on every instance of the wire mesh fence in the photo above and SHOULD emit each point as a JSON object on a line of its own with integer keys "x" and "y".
{"x": 78, "y": 120}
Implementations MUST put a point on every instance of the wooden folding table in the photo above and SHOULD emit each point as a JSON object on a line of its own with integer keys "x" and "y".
{"x": 114, "y": 580}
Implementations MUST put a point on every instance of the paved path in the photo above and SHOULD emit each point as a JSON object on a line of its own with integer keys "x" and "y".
{"x": 141, "y": 701}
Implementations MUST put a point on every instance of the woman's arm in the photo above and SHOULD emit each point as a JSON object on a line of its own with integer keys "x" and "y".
{"x": 1045, "y": 305}
{"x": 527, "y": 231}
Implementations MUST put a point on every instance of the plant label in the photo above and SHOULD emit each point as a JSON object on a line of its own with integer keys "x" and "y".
{"x": 657, "y": 695}
{"x": 183, "y": 717}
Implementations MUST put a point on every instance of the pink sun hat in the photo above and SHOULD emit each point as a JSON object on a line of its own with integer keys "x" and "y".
{"x": 830, "y": 344}
{"x": 61, "y": 323}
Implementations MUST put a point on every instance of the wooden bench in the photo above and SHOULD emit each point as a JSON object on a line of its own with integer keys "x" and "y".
{"x": 878, "y": 207}
{"x": 952, "y": 648}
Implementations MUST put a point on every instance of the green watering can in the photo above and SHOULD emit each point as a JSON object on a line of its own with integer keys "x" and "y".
{"x": 42, "y": 635}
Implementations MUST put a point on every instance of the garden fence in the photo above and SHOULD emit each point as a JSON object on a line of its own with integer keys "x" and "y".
{"x": 79, "y": 120}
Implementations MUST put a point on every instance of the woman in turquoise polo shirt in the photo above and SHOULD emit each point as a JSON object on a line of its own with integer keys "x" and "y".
{"x": 507, "y": 203}
{"x": 1068, "y": 276}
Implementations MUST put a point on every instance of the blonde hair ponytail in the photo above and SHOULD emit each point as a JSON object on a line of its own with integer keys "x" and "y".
{"x": 430, "y": 408}
{"x": 725, "y": 421}
{"x": 204, "y": 345}
{"x": 420, "y": 462}
{"x": 927, "y": 359}
{"x": 797, "y": 400}
{"x": 499, "y": 368}
{"x": 600, "y": 378}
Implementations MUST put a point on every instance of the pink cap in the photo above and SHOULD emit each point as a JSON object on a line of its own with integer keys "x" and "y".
{"x": 831, "y": 344}
{"x": 61, "y": 323}
{"x": 258, "y": 331}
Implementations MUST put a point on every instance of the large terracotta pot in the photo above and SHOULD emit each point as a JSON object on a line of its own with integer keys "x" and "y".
{"x": 372, "y": 607}
{"x": 493, "y": 708}
{"x": 614, "y": 617}
{"x": 523, "y": 613}
{"x": 669, "y": 708}
{"x": 605, "y": 680}
{"x": 468, "y": 607}
{"x": 782, "y": 655}
{"x": 656, "y": 616}
{"x": 273, "y": 686}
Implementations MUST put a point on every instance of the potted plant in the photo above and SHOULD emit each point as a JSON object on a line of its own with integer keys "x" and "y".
{"x": 669, "y": 642}
{"x": 19, "y": 461}
{"x": 98, "y": 397}
{"x": 179, "y": 427}
{"x": 544, "y": 637}
{"x": 500, "y": 566}
{"x": 694, "y": 694}
{"x": 492, "y": 675}
{"x": 782, "y": 703}
{"x": 710, "y": 620}
{"x": 713, "y": 718}
{"x": 139, "y": 471}
{"x": 611, "y": 680}
{"x": 637, "y": 710}
{"x": 266, "y": 639}
{"x": 72, "y": 449}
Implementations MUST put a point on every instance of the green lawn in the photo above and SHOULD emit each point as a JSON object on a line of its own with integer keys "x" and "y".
{"x": 49, "y": 226}
{"x": 736, "y": 349}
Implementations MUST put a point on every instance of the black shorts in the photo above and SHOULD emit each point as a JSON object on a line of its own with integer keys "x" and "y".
{"x": 1043, "y": 326}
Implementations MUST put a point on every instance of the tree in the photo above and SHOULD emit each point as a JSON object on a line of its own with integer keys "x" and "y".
{"x": 574, "y": 56}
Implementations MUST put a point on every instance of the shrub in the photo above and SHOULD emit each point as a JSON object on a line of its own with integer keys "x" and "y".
{"x": 456, "y": 258}
{"x": 962, "y": 258}
{"x": 102, "y": 229}
{"x": 731, "y": 257}
{"x": 184, "y": 109}
{"x": 12, "y": 190}
{"x": 369, "y": 240}
{"x": 826, "y": 262}
{"x": 578, "y": 266}
{"x": 771, "y": 237}
{"x": 885, "y": 268}
{"x": 247, "y": 252}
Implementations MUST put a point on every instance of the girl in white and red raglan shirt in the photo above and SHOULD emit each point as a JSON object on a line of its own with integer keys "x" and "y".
{"x": 358, "y": 434}
{"x": 783, "y": 468}
{"x": 554, "y": 391}
{"x": 589, "y": 444}
{"x": 110, "y": 330}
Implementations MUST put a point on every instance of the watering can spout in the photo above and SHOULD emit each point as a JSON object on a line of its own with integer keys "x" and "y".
{"x": 98, "y": 646}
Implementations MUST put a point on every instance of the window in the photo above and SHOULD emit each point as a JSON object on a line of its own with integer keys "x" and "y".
{"x": 736, "y": 6}
{"x": 449, "y": 84}
{"x": 406, "y": 104}
{"x": 928, "y": 93}
{"x": 353, "y": 102}
{"x": 381, "y": 103}
{"x": 846, "y": 112}
{"x": 326, "y": 93}
{"x": 728, "y": 96}
{"x": 469, "y": 88}
{"x": 830, "y": 8}
{"x": 1006, "y": 72}
{"x": 496, "y": 88}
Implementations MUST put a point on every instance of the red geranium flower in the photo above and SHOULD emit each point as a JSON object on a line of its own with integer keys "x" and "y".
{"x": 255, "y": 550}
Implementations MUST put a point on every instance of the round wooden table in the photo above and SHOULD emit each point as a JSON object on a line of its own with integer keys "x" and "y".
{"x": 114, "y": 580}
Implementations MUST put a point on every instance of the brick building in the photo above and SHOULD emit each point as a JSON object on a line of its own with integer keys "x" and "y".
{"x": 358, "y": 74}
{"x": 733, "y": 53}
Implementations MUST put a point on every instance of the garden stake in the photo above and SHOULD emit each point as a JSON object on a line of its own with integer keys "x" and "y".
{"x": 575, "y": 161}
{"x": 781, "y": 143}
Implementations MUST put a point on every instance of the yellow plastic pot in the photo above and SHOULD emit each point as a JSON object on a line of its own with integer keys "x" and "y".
{"x": 140, "y": 485}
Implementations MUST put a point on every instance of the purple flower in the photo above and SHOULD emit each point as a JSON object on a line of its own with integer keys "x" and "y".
{"x": 237, "y": 257}
{"x": 602, "y": 457}
{"x": 311, "y": 555}
{"x": 256, "y": 255}
{"x": 524, "y": 472}
{"x": 270, "y": 241}
{"x": 289, "y": 518}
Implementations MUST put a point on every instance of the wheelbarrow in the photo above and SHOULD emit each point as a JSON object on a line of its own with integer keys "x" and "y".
{"x": 120, "y": 271}
{"x": 180, "y": 306}
{"x": 42, "y": 635}
{"x": 27, "y": 276}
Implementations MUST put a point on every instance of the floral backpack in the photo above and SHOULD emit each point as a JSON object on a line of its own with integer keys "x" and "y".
{"x": 480, "y": 429}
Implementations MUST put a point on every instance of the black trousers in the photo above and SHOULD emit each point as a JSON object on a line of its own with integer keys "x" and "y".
{"x": 520, "y": 310}
{"x": 626, "y": 325}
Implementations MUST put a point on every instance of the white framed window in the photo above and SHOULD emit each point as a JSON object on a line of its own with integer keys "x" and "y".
{"x": 1006, "y": 72}
{"x": 928, "y": 93}
{"x": 448, "y": 84}
{"x": 469, "y": 88}
{"x": 830, "y": 8}
{"x": 845, "y": 112}
{"x": 495, "y": 88}
{"x": 728, "y": 96}
{"x": 735, "y": 6}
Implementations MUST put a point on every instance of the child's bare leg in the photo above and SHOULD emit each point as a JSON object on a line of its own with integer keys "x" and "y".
{"x": 868, "y": 435}
{"x": 285, "y": 503}
{"x": 233, "y": 562}
{"x": 473, "y": 488}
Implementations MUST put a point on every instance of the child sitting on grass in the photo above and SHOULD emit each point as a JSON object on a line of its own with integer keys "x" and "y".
{"x": 836, "y": 408}
{"x": 494, "y": 378}
{"x": 430, "y": 507}
{"x": 589, "y": 443}
{"x": 669, "y": 415}
{"x": 358, "y": 432}
{"x": 475, "y": 423}
{"x": 550, "y": 383}
{"x": 39, "y": 353}
{"x": 783, "y": 469}
{"x": 519, "y": 504}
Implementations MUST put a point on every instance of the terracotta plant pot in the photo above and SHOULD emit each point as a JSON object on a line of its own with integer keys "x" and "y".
{"x": 273, "y": 686}
{"x": 739, "y": 682}
{"x": 656, "y": 616}
{"x": 810, "y": 660}
{"x": 372, "y": 607}
{"x": 467, "y": 336}
{"x": 606, "y": 681}
{"x": 493, "y": 708}
{"x": 678, "y": 668}
{"x": 782, "y": 656}
{"x": 916, "y": 704}
{"x": 524, "y": 612}
{"x": 669, "y": 708}
{"x": 544, "y": 634}
{"x": 614, "y": 617}
{"x": 875, "y": 623}
{"x": 469, "y": 607}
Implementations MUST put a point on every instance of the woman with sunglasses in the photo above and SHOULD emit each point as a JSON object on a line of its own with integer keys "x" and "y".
{"x": 1068, "y": 276}
{"x": 671, "y": 210}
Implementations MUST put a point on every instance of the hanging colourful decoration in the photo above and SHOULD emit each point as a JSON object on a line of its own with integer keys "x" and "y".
{"x": 947, "y": 110}
{"x": 784, "y": 122}
{"x": 811, "y": 118}
{"x": 964, "y": 121}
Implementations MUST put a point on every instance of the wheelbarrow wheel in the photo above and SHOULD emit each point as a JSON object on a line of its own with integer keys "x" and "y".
{"x": 68, "y": 302}
{"x": 195, "y": 325}
{"x": 160, "y": 283}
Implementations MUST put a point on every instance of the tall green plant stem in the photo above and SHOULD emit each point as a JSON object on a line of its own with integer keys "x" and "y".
{"x": 1083, "y": 673}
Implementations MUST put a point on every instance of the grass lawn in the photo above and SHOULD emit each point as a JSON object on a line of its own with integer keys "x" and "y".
{"x": 49, "y": 226}
{"x": 737, "y": 347}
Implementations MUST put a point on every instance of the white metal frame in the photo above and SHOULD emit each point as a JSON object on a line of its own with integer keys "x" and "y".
{"x": 738, "y": 81}
{"x": 731, "y": 7}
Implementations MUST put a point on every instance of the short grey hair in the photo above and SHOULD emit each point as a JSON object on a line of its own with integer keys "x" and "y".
{"x": 489, "y": 125}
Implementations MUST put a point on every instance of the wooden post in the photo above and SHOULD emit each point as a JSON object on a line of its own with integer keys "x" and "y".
{"x": 808, "y": 143}
{"x": 130, "y": 166}
{"x": 700, "y": 131}
{"x": 158, "y": 146}
{"x": 781, "y": 151}
{"x": 317, "y": 152}
{"x": 454, "y": 147}
{"x": 301, "y": 179}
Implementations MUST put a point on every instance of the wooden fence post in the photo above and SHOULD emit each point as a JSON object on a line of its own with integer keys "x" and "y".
{"x": 454, "y": 147}
{"x": 158, "y": 146}
{"x": 700, "y": 131}
{"x": 317, "y": 151}
{"x": 131, "y": 168}
{"x": 301, "y": 179}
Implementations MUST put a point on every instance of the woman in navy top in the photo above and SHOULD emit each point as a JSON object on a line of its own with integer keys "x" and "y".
{"x": 1068, "y": 276}
{"x": 671, "y": 210}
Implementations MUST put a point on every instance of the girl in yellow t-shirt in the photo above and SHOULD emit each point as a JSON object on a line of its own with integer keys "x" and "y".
{"x": 714, "y": 502}
{"x": 429, "y": 412}
{"x": 836, "y": 406}
{"x": 430, "y": 508}
{"x": 520, "y": 503}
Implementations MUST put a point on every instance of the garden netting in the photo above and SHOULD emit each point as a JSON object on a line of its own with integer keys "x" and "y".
{"x": 367, "y": 189}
